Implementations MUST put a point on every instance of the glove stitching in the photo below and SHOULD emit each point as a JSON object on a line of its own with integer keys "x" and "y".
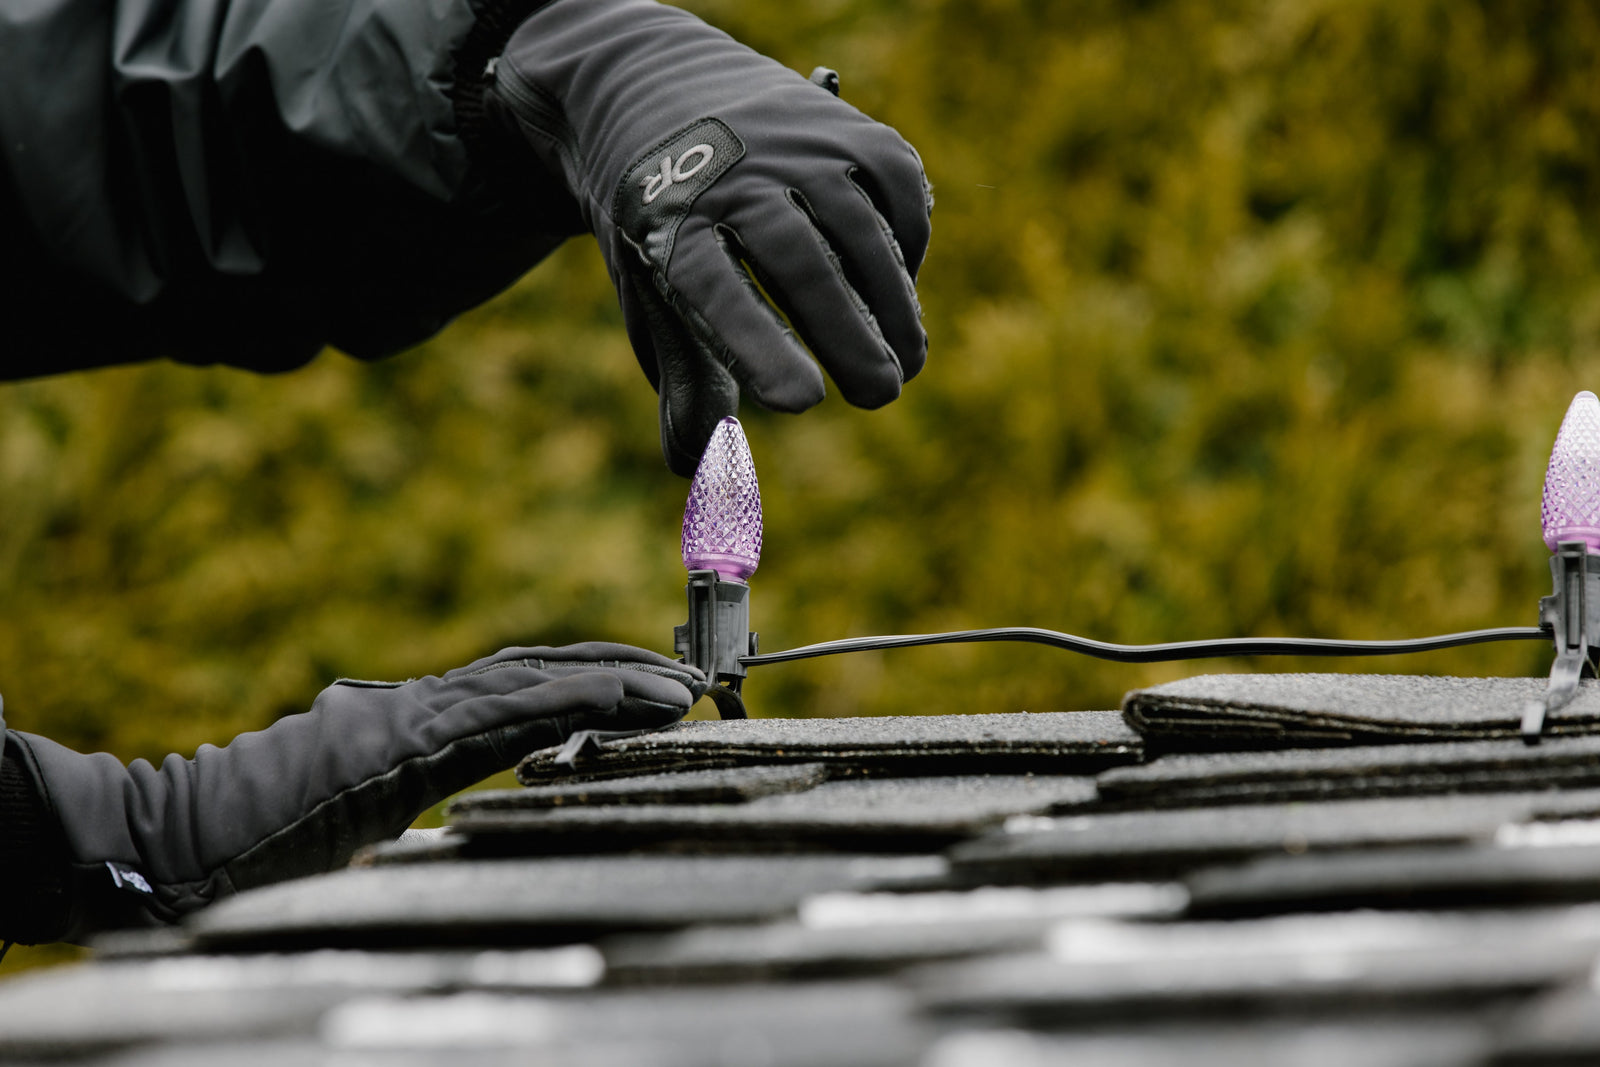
{"x": 695, "y": 386}
{"x": 744, "y": 264}
{"x": 708, "y": 338}
{"x": 927, "y": 186}
{"x": 798, "y": 201}
{"x": 363, "y": 683}
{"x": 883, "y": 226}
{"x": 688, "y": 681}
{"x": 539, "y": 112}
{"x": 906, "y": 274}
{"x": 713, "y": 343}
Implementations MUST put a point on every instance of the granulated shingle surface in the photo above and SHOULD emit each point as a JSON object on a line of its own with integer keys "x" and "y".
{"x": 1099, "y": 970}
{"x": 789, "y": 950}
{"x": 850, "y": 932}
{"x": 815, "y": 1025}
{"x": 861, "y": 810}
{"x": 1278, "y": 710}
{"x": 730, "y": 785}
{"x": 1418, "y": 1039}
{"x": 1182, "y": 780}
{"x": 1108, "y": 968}
{"x": 195, "y": 998}
{"x": 1051, "y": 742}
{"x": 1398, "y": 877}
{"x": 532, "y": 900}
{"x": 1144, "y": 843}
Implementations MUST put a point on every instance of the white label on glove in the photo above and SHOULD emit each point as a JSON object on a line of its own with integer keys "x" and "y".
{"x": 125, "y": 877}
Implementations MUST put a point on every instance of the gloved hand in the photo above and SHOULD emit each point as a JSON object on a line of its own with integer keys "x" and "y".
{"x": 706, "y": 170}
{"x": 302, "y": 795}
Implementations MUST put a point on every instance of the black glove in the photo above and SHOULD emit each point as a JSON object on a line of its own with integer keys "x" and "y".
{"x": 146, "y": 845}
{"x": 704, "y": 169}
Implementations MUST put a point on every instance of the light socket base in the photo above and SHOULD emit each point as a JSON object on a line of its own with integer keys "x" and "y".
{"x": 717, "y": 636}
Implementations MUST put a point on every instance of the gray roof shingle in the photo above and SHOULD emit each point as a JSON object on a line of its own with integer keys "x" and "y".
{"x": 1069, "y": 742}
{"x": 1230, "y": 711}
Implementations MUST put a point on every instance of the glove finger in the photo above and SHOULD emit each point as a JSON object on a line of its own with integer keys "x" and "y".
{"x": 609, "y": 652}
{"x": 606, "y": 653}
{"x": 695, "y": 387}
{"x": 496, "y": 680}
{"x": 513, "y": 724}
{"x": 650, "y": 700}
{"x": 617, "y": 699}
{"x": 531, "y": 655}
{"x": 697, "y": 393}
{"x": 736, "y": 326}
{"x": 805, "y": 277}
{"x": 639, "y": 319}
{"x": 541, "y": 664}
{"x": 873, "y": 265}
{"x": 586, "y": 693}
{"x": 897, "y": 187}
{"x": 687, "y": 679}
{"x": 643, "y": 702}
{"x": 587, "y": 690}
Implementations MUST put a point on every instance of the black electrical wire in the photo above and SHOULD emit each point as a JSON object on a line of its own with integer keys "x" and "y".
{"x": 1172, "y": 650}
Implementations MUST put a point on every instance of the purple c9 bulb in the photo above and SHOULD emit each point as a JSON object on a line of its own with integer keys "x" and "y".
{"x": 1571, "y": 510}
{"x": 722, "y": 520}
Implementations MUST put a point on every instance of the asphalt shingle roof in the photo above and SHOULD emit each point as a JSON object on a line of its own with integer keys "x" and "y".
{"x": 950, "y": 891}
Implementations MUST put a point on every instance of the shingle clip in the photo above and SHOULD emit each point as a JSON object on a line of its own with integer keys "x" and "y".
{"x": 1570, "y": 516}
{"x": 1568, "y": 615}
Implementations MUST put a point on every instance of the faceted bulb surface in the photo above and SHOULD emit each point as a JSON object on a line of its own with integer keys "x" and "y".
{"x": 722, "y": 521}
{"x": 1571, "y": 510}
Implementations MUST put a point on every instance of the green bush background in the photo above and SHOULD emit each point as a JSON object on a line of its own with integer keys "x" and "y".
{"x": 1246, "y": 318}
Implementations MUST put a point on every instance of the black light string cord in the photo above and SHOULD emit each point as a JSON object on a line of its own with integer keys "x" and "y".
{"x": 1171, "y": 650}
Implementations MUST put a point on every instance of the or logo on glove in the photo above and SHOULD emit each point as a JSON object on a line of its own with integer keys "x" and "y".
{"x": 686, "y": 166}
{"x": 672, "y": 176}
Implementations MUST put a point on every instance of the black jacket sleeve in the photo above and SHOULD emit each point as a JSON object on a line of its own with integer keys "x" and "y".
{"x": 245, "y": 181}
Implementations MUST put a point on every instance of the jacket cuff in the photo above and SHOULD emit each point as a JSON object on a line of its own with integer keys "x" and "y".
{"x": 34, "y": 899}
{"x": 497, "y": 155}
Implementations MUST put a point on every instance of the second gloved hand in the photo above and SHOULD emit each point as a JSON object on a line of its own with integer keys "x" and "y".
{"x": 302, "y": 795}
{"x": 715, "y": 179}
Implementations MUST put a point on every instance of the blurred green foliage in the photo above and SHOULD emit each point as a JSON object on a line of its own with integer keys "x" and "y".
{"x": 1246, "y": 318}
